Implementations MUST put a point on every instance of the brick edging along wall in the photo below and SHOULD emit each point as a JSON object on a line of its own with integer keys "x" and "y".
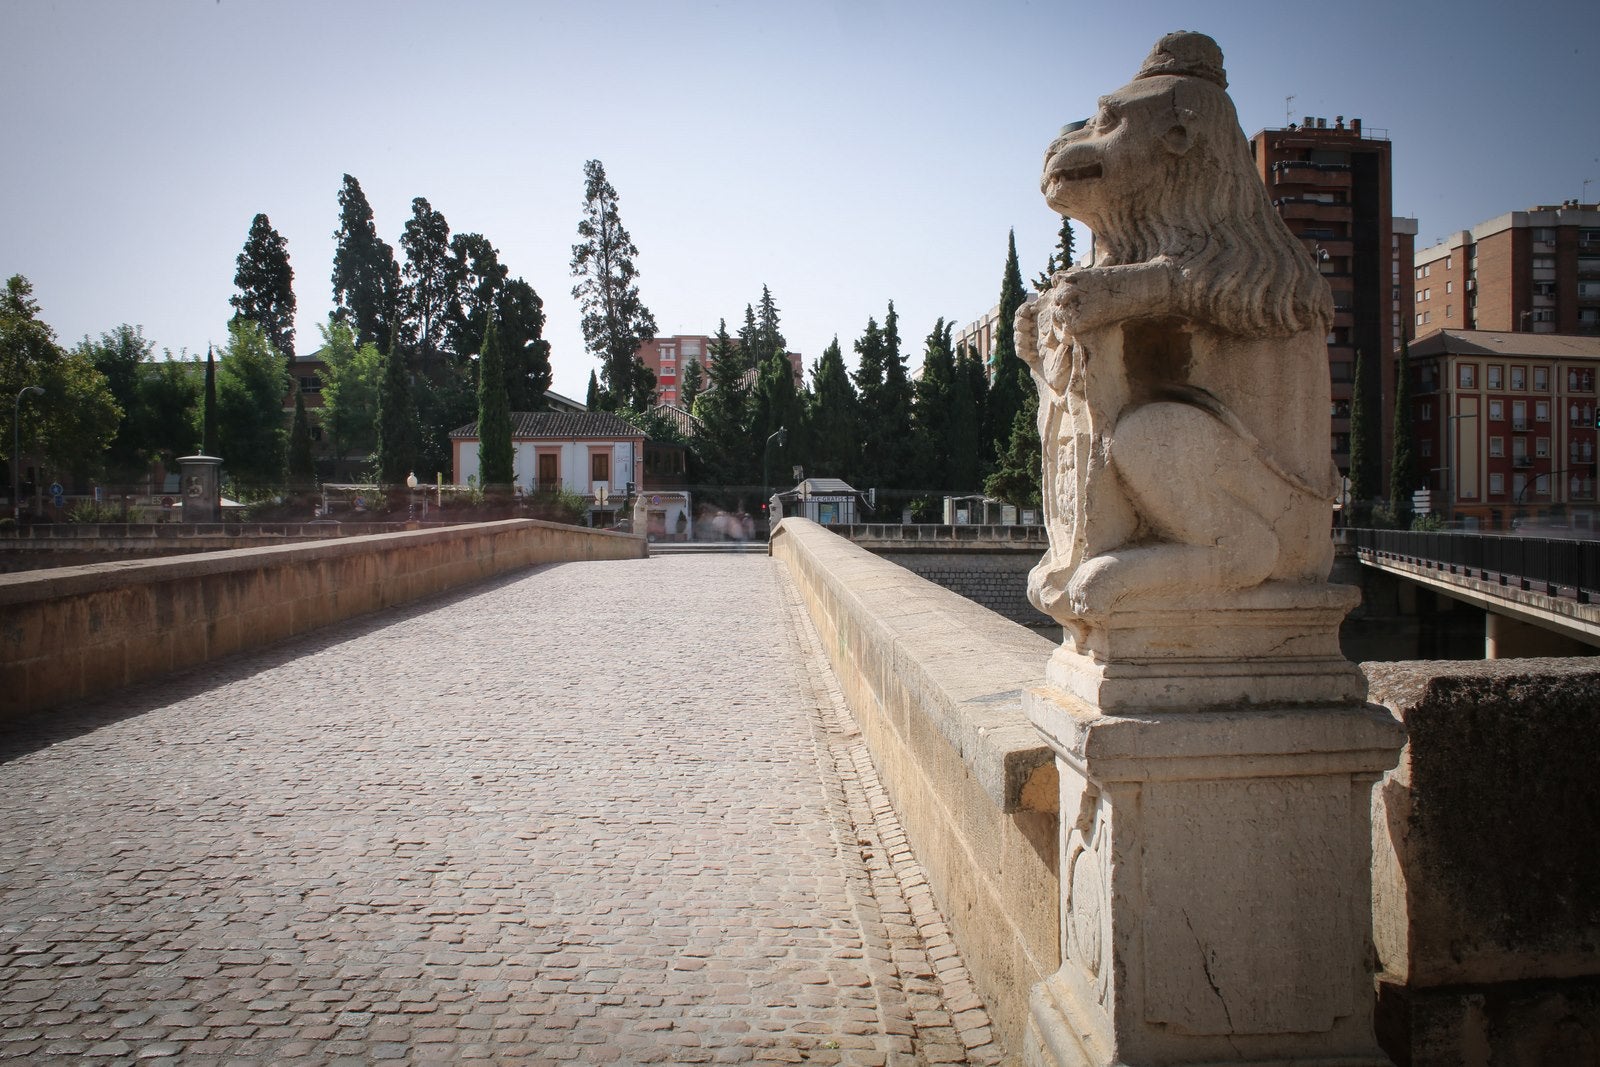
{"x": 73, "y": 632}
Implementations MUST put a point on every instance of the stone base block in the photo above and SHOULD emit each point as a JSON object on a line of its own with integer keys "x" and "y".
{"x": 1273, "y": 645}
{"x": 1215, "y": 884}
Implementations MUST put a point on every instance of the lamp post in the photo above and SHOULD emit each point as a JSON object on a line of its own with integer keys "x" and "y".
{"x": 16, "y": 449}
{"x": 782, "y": 437}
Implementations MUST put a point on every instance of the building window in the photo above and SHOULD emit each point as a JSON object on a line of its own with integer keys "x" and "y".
{"x": 549, "y": 472}
{"x": 669, "y": 354}
{"x": 1497, "y": 447}
{"x": 1467, "y": 376}
{"x": 1541, "y": 447}
{"x": 1541, "y": 411}
{"x": 1519, "y": 377}
{"x": 1497, "y": 484}
{"x": 1427, "y": 270}
{"x": 600, "y": 467}
{"x": 1426, "y": 447}
{"x": 1497, "y": 410}
{"x": 1519, "y": 414}
{"x": 1449, "y": 262}
{"x": 1427, "y": 412}
{"x": 1419, "y": 274}
{"x": 1427, "y": 316}
{"x": 1494, "y": 374}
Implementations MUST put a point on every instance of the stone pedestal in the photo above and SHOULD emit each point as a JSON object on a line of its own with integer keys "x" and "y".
{"x": 200, "y": 480}
{"x": 1215, "y": 883}
{"x": 1274, "y": 644}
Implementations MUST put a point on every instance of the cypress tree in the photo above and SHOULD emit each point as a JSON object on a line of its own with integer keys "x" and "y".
{"x": 833, "y": 418}
{"x": 591, "y": 399}
{"x": 399, "y": 434}
{"x": 302, "y": 469}
{"x": 1018, "y": 477}
{"x": 1363, "y": 477}
{"x": 1060, "y": 257}
{"x": 1403, "y": 468}
{"x": 723, "y": 411}
{"x": 931, "y": 414}
{"x": 496, "y": 455}
{"x": 693, "y": 381}
{"x": 1010, "y": 384}
{"x": 968, "y": 395}
{"x": 208, "y": 416}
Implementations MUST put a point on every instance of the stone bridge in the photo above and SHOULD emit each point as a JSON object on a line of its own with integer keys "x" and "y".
{"x": 518, "y": 794}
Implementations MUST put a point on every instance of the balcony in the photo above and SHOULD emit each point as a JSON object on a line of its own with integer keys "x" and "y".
{"x": 1522, "y": 461}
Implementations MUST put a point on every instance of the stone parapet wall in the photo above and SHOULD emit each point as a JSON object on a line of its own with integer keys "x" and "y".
{"x": 72, "y": 632}
{"x": 1486, "y": 870}
{"x": 935, "y": 682}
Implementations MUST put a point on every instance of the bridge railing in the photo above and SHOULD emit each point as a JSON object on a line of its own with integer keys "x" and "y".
{"x": 1555, "y": 567}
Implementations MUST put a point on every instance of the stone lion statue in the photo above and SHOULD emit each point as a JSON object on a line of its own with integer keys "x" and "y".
{"x": 1182, "y": 375}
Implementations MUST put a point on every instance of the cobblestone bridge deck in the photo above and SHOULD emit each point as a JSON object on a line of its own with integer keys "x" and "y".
{"x": 596, "y": 813}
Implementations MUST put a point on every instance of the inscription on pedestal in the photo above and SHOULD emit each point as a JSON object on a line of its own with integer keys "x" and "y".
{"x": 1247, "y": 889}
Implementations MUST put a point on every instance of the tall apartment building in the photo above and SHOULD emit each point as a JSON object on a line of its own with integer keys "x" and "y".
{"x": 1534, "y": 271}
{"x": 1505, "y": 425}
{"x": 669, "y": 358}
{"x": 1330, "y": 183}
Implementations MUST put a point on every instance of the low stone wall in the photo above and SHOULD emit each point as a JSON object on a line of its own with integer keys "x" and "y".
{"x": 935, "y": 682}
{"x": 76, "y": 544}
{"x": 1486, "y": 863}
{"x": 72, "y": 632}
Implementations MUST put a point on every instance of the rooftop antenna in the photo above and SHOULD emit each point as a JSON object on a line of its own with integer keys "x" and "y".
{"x": 1288, "y": 110}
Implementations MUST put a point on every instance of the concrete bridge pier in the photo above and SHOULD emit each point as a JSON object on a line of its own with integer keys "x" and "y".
{"x": 1508, "y": 638}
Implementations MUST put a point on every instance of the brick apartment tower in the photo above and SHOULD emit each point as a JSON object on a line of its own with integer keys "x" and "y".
{"x": 669, "y": 357}
{"x": 1330, "y": 182}
{"x": 1534, "y": 271}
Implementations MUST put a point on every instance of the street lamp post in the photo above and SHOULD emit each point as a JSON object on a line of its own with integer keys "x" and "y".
{"x": 16, "y": 449}
{"x": 782, "y": 437}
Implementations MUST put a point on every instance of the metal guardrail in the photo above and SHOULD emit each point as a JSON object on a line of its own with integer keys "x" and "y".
{"x": 1553, "y": 566}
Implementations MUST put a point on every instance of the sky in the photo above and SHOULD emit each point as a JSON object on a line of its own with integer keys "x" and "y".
{"x": 844, "y": 154}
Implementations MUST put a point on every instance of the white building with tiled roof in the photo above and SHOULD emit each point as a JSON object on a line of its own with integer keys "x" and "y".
{"x": 594, "y": 454}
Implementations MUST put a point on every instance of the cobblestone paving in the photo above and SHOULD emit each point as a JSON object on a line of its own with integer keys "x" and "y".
{"x": 596, "y": 813}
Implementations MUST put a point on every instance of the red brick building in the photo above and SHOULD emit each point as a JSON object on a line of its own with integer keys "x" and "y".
{"x": 1505, "y": 426}
{"x": 669, "y": 358}
{"x": 1330, "y": 183}
{"x": 1534, "y": 271}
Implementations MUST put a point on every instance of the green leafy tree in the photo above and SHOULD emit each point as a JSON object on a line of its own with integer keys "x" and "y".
{"x": 833, "y": 418}
{"x": 1363, "y": 447}
{"x": 496, "y": 455}
{"x": 169, "y": 396}
{"x": 969, "y": 395}
{"x": 1010, "y": 384}
{"x": 527, "y": 354}
{"x": 1019, "y": 473}
{"x": 480, "y": 278}
{"x": 885, "y": 404}
{"x": 430, "y": 282}
{"x": 266, "y": 286}
{"x": 252, "y": 380}
{"x": 302, "y": 467}
{"x": 723, "y": 411}
{"x": 120, "y": 357}
{"x": 70, "y": 426}
{"x": 1403, "y": 466}
{"x": 350, "y": 390}
{"x": 366, "y": 277}
{"x": 615, "y": 321}
{"x": 693, "y": 382}
{"x": 399, "y": 432}
{"x": 775, "y": 405}
{"x": 769, "y": 338}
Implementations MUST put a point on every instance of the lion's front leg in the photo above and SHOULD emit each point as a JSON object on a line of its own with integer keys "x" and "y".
{"x": 1090, "y": 298}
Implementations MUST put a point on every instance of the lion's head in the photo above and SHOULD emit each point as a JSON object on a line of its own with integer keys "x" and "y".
{"x": 1163, "y": 170}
